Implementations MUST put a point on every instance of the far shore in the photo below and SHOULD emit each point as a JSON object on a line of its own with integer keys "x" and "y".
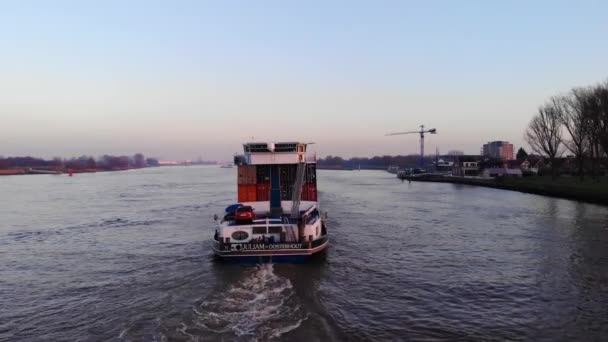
{"x": 564, "y": 187}
{"x": 54, "y": 171}
{"x": 39, "y": 171}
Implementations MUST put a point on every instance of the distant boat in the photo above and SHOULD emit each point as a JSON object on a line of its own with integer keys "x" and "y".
{"x": 393, "y": 169}
{"x": 44, "y": 172}
{"x": 226, "y": 166}
{"x": 412, "y": 173}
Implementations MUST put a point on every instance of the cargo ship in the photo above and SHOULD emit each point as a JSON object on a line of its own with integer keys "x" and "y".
{"x": 277, "y": 216}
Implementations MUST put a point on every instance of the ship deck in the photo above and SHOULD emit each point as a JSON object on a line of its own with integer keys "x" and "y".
{"x": 263, "y": 214}
{"x": 263, "y": 221}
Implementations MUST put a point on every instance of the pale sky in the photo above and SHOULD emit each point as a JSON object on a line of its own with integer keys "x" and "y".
{"x": 183, "y": 79}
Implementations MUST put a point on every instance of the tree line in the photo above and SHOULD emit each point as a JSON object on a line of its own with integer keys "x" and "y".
{"x": 377, "y": 162}
{"x": 575, "y": 122}
{"x": 105, "y": 162}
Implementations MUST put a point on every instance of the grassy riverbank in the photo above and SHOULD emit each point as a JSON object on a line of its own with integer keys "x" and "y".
{"x": 563, "y": 187}
{"x": 588, "y": 190}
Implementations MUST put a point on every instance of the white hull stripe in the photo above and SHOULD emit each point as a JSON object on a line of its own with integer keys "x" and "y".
{"x": 278, "y": 252}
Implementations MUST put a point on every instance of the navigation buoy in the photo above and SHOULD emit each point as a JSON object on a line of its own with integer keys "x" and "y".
{"x": 71, "y": 173}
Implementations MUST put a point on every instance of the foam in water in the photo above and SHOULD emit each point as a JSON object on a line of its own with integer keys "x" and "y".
{"x": 262, "y": 306}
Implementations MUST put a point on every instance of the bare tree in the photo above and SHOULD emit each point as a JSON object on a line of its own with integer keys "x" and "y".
{"x": 574, "y": 118}
{"x": 544, "y": 133}
{"x": 601, "y": 95}
{"x": 596, "y": 111}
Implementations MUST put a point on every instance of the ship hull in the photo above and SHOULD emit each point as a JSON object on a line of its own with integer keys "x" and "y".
{"x": 302, "y": 255}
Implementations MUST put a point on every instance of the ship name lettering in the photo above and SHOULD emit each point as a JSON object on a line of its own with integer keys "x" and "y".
{"x": 261, "y": 246}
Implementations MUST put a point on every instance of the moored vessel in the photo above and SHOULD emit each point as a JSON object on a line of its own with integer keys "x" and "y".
{"x": 277, "y": 216}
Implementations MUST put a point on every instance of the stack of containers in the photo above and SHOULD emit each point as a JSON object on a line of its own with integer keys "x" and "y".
{"x": 247, "y": 183}
{"x": 287, "y": 178}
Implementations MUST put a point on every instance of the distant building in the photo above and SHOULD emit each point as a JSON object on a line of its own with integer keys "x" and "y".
{"x": 167, "y": 163}
{"x": 501, "y": 172}
{"x": 516, "y": 164}
{"x": 455, "y": 153}
{"x": 528, "y": 166}
{"x": 465, "y": 166}
{"x": 443, "y": 165}
{"x": 498, "y": 149}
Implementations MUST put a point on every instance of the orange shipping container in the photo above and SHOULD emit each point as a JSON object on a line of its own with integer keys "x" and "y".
{"x": 246, "y": 174}
{"x": 247, "y": 193}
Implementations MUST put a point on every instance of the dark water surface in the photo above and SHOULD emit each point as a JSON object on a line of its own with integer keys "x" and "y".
{"x": 126, "y": 256}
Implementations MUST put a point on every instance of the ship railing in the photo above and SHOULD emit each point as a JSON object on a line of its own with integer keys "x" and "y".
{"x": 311, "y": 158}
{"x": 268, "y": 246}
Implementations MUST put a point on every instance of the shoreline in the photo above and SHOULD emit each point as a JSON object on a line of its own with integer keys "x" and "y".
{"x": 24, "y": 171}
{"x": 31, "y": 171}
{"x": 572, "y": 191}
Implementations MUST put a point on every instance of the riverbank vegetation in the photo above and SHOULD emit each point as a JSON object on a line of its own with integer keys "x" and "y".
{"x": 575, "y": 123}
{"x": 374, "y": 163}
{"x": 588, "y": 190}
{"x": 25, "y": 165}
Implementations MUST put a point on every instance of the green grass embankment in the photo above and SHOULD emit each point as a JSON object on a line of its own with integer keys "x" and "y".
{"x": 589, "y": 190}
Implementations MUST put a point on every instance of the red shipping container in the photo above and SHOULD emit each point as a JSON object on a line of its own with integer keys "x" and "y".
{"x": 247, "y": 193}
{"x": 246, "y": 174}
{"x": 263, "y": 192}
{"x": 304, "y": 196}
{"x": 309, "y": 192}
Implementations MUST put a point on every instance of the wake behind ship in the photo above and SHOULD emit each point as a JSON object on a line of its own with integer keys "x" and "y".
{"x": 277, "y": 217}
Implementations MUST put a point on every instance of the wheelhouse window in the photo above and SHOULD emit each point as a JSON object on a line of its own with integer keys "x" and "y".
{"x": 285, "y": 147}
{"x": 275, "y": 229}
{"x": 259, "y": 230}
{"x": 256, "y": 148}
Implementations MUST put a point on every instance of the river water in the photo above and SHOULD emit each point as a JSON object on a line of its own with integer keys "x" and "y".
{"x": 125, "y": 256}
